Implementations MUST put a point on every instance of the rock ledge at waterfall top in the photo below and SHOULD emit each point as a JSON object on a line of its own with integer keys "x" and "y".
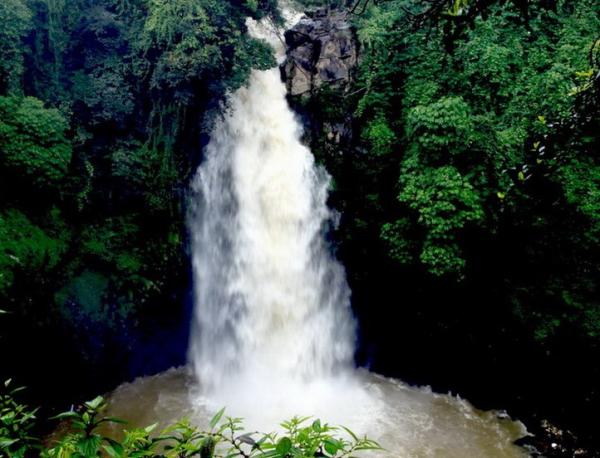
{"x": 321, "y": 49}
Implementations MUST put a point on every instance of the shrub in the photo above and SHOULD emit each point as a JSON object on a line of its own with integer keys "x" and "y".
{"x": 33, "y": 143}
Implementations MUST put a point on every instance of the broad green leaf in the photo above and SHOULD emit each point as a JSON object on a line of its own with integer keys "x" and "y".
{"x": 95, "y": 403}
{"x": 332, "y": 446}
{"x": 284, "y": 445}
{"x": 214, "y": 420}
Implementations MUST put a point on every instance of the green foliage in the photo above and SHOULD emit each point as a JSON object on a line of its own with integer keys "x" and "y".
{"x": 83, "y": 439}
{"x": 105, "y": 92}
{"x": 581, "y": 181}
{"x": 442, "y": 258}
{"x": 150, "y": 172}
{"x": 445, "y": 203}
{"x": 16, "y": 20}
{"x": 122, "y": 91}
{"x": 198, "y": 39}
{"x": 26, "y": 248}
{"x": 441, "y": 129}
{"x": 136, "y": 270}
{"x": 169, "y": 20}
{"x": 398, "y": 239}
{"x": 380, "y": 136}
{"x": 487, "y": 119}
{"x": 33, "y": 145}
{"x": 444, "y": 200}
{"x": 226, "y": 438}
{"x": 16, "y": 424}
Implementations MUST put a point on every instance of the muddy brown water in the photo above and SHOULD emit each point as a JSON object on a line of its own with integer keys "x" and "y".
{"x": 408, "y": 422}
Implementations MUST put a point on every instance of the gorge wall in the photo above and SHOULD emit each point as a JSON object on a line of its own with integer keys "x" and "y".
{"x": 322, "y": 55}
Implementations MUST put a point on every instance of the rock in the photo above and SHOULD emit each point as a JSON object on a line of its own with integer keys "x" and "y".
{"x": 321, "y": 49}
{"x": 338, "y": 131}
{"x": 502, "y": 415}
{"x": 549, "y": 441}
{"x": 321, "y": 58}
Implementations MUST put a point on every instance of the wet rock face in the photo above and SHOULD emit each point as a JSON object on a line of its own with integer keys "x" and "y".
{"x": 321, "y": 49}
{"x": 549, "y": 441}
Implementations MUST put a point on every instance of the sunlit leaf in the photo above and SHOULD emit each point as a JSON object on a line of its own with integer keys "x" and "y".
{"x": 284, "y": 445}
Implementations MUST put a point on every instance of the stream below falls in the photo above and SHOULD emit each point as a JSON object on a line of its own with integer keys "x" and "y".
{"x": 408, "y": 422}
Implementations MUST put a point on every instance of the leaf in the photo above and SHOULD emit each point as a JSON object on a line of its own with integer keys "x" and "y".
{"x": 5, "y": 442}
{"x": 89, "y": 446}
{"x": 352, "y": 434}
{"x": 258, "y": 444}
{"x": 316, "y": 426}
{"x": 16, "y": 390}
{"x": 214, "y": 420}
{"x": 332, "y": 446}
{"x": 284, "y": 446}
{"x": 8, "y": 418}
{"x": 79, "y": 424}
{"x": 95, "y": 403}
{"x": 65, "y": 415}
{"x": 150, "y": 428}
{"x": 114, "y": 449}
{"x": 269, "y": 454}
{"x": 247, "y": 439}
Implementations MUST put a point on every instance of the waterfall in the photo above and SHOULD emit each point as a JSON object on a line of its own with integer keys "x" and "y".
{"x": 273, "y": 333}
{"x": 272, "y": 305}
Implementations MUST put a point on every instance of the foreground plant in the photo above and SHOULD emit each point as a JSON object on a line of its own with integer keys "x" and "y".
{"x": 225, "y": 437}
{"x": 16, "y": 422}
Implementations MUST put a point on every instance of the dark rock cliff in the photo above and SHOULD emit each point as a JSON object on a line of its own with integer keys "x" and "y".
{"x": 321, "y": 61}
{"x": 322, "y": 49}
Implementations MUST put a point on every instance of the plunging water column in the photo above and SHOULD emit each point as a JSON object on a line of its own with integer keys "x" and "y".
{"x": 272, "y": 304}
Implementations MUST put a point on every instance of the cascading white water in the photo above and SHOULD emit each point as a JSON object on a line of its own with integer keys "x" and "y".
{"x": 272, "y": 304}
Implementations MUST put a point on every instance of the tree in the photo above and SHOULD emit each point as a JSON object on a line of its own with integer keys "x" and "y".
{"x": 16, "y": 22}
{"x": 34, "y": 149}
{"x": 445, "y": 203}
